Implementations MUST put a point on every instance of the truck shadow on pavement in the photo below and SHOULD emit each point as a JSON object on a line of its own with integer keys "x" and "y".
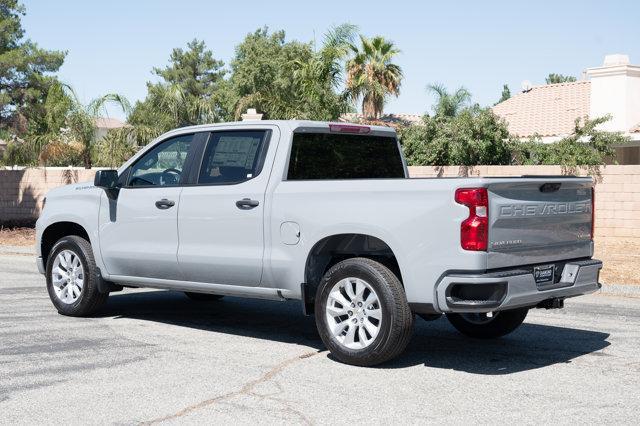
{"x": 435, "y": 344}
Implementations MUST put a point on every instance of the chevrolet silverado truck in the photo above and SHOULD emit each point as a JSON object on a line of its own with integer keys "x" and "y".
{"x": 324, "y": 213}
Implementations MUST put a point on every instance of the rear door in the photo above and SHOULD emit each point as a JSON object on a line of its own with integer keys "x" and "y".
{"x": 221, "y": 216}
{"x": 537, "y": 220}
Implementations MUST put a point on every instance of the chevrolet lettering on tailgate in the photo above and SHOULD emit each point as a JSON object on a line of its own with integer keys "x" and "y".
{"x": 547, "y": 209}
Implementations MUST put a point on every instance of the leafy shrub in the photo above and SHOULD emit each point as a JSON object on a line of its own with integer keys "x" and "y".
{"x": 115, "y": 148}
{"x": 474, "y": 136}
{"x": 587, "y": 148}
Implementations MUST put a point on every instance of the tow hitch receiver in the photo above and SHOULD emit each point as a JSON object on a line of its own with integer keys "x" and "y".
{"x": 555, "y": 303}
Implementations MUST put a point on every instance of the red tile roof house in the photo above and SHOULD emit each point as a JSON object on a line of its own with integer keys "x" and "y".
{"x": 550, "y": 110}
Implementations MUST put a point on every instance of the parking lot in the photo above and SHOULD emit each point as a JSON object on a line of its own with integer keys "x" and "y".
{"x": 155, "y": 356}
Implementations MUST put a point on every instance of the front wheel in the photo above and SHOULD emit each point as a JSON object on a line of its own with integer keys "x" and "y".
{"x": 488, "y": 325}
{"x": 362, "y": 312}
{"x": 72, "y": 278}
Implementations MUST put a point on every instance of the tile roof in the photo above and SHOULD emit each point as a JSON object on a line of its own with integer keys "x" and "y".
{"x": 548, "y": 110}
{"x": 109, "y": 123}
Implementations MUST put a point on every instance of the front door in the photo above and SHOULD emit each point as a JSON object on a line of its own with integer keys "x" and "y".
{"x": 139, "y": 229}
{"x": 220, "y": 221}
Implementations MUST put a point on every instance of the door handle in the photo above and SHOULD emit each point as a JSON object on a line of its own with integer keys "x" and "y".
{"x": 165, "y": 204}
{"x": 247, "y": 204}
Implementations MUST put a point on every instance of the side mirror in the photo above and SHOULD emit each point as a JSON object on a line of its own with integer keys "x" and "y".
{"x": 106, "y": 179}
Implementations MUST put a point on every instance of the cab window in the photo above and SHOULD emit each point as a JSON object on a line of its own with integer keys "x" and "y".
{"x": 233, "y": 157}
{"x": 162, "y": 165}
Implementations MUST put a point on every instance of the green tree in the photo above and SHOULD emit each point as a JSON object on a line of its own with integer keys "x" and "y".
{"x": 471, "y": 137}
{"x": 190, "y": 91}
{"x": 559, "y": 78}
{"x": 80, "y": 119}
{"x": 587, "y": 147}
{"x": 115, "y": 148}
{"x": 288, "y": 79}
{"x": 24, "y": 73}
{"x": 263, "y": 75}
{"x": 371, "y": 74}
{"x": 506, "y": 94}
{"x": 319, "y": 77}
{"x": 449, "y": 104}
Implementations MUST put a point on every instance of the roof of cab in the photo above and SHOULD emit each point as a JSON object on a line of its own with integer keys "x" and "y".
{"x": 291, "y": 124}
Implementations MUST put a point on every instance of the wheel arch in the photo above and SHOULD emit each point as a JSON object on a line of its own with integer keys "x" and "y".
{"x": 53, "y": 232}
{"x": 334, "y": 248}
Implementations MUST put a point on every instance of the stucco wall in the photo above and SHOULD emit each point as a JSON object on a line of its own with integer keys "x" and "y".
{"x": 617, "y": 191}
{"x": 22, "y": 191}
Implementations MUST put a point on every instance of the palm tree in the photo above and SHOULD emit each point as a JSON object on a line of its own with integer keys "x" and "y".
{"x": 183, "y": 108}
{"x": 319, "y": 77}
{"x": 448, "y": 104}
{"x": 79, "y": 118}
{"x": 372, "y": 76}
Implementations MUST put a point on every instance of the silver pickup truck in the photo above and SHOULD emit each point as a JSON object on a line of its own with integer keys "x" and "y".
{"x": 324, "y": 213}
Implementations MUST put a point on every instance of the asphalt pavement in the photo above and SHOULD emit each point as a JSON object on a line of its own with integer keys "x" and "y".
{"x": 157, "y": 357}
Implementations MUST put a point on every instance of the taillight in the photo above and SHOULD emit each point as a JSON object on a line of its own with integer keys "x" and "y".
{"x": 348, "y": 128}
{"x": 593, "y": 212}
{"x": 474, "y": 230}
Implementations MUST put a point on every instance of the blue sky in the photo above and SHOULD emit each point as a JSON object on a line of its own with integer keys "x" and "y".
{"x": 112, "y": 46}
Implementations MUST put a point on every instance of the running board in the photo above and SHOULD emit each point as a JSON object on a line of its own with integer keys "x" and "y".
{"x": 221, "y": 289}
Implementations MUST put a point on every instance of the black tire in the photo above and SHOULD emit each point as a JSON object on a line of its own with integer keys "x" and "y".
{"x": 397, "y": 319}
{"x": 501, "y": 324}
{"x": 90, "y": 299}
{"x": 203, "y": 297}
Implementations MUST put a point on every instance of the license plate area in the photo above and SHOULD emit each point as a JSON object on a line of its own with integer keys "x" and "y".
{"x": 552, "y": 276}
{"x": 544, "y": 275}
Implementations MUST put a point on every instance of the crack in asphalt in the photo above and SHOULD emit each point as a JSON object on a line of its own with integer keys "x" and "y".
{"x": 247, "y": 389}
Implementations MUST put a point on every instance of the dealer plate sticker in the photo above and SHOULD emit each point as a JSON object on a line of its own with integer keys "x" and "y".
{"x": 544, "y": 274}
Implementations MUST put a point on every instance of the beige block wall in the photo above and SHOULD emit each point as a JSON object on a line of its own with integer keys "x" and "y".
{"x": 617, "y": 193}
{"x": 22, "y": 191}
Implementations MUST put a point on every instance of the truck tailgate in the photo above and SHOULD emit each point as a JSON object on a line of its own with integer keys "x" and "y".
{"x": 538, "y": 220}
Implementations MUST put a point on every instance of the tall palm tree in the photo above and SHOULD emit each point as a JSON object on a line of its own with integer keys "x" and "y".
{"x": 371, "y": 74}
{"x": 320, "y": 76}
{"x": 449, "y": 104}
{"x": 80, "y": 118}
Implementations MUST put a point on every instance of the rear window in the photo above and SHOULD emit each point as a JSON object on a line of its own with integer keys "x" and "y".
{"x": 340, "y": 156}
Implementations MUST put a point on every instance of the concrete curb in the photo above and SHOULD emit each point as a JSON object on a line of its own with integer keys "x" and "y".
{"x": 21, "y": 250}
{"x": 628, "y": 290}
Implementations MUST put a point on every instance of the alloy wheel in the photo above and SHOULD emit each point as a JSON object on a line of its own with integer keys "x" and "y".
{"x": 353, "y": 313}
{"x": 67, "y": 276}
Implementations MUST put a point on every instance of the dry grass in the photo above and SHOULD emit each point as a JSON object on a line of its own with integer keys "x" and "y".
{"x": 621, "y": 260}
{"x": 17, "y": 237}
{"x": 621, "y": 257}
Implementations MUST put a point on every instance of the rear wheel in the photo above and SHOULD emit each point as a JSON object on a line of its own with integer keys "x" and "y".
{"x": 362, "y": 312}
{"x": 488, "y": 325}
{"x": 202, "y": 297}
{"x": 72, "y": 278}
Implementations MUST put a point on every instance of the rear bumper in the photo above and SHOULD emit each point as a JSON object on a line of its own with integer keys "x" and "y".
{"x": 512, "y": 288}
